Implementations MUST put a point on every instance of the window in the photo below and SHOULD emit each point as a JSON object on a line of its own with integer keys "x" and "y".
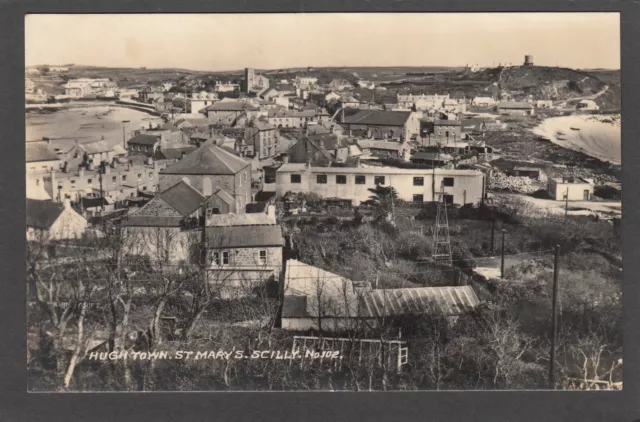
{"x": 448, "y": 181}
{"x": 448, "y": 199}
{"x": 378, "y": 180}
{"x": 418, "y": 198}
{"x": 296, "y": 178}
{"x": 144, "y": 188}
{"x": 124, "y": 177}
{"x": 341, "y": 179}
{"x": 73, "y": 181}
{"x": 418, "y": 181}
{"x": 225, "y": 258}
{"x": 321, "y": 178}
{"x": 89, "y": 180}
{"x": 139, "y": 176}
{"x": 113, "y": 179}
{"x": 150, "y": 175}
{"x": 361, "y": 180}
{"x": 263, "y": 257}
{"x": 215, "y": 258}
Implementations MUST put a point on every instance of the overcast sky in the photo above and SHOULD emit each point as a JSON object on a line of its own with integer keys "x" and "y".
{"x": 272, "y": 41}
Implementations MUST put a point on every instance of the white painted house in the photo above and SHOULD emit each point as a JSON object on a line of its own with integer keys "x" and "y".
{"x": 53, "y": 221}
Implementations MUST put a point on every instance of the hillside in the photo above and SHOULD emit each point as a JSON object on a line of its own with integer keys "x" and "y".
{"x": 556, "y": 83}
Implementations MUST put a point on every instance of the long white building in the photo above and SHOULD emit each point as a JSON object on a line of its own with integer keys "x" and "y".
{"x": 416, "y": 185}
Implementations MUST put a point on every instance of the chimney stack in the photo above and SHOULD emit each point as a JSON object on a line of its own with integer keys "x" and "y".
{"x": 271, "y": 211}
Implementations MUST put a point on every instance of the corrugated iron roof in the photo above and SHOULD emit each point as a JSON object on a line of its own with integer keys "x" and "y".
{"x": 450, "y": 300}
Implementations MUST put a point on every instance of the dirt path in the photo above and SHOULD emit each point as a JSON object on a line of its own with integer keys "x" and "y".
{"x": 592, "y": 96}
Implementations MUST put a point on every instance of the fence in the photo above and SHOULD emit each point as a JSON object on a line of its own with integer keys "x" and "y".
{"x": 360, "y": 352}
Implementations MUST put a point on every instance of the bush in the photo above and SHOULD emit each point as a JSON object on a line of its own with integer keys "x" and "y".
{"x": 462, "y": 257}
{"x": 607, "y": 192}
{"x": 541, "y": 194}
{"x": 413, "y": 245}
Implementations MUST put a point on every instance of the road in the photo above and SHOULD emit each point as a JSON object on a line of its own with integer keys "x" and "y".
{"x": 575, "y": 207}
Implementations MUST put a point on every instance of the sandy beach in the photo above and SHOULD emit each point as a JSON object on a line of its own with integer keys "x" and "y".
{"x": 598, "y": 136}
{"x": 86, "y": 123}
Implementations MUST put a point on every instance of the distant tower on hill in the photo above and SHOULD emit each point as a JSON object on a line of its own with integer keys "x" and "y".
{"x": 249, "y": 79}
{"x": 528, "y": 60}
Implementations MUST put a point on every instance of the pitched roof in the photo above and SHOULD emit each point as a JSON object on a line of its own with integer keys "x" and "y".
{"x": 174, "y": 153}
{"x": 244, "y": 236}
{"x": 95, "y": 147}
{"x": 378, "y": 117}
{"x": 231, "y": 106}
{"x": 373, "y": 144}
{"x": 444, "y": 122}
{"x": 183, "y": 197}
{"x": 149, "y": 221}
{"x": 39, "y": 151}
{"x": 431, "y": 156}
{"x": 42, "y": 214}
{"x": 208, "y": 159}
{"x": 144, "y": 139}
{"x": 304, "y": 283}
{"x": 515, "y": 104}
{"x": 448, "y": 301}
{"x": 234, "y": 220}
{"x": 222, "y": 194}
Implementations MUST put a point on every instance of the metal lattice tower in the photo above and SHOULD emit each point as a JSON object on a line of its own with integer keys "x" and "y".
{"x": 441, "y": 239}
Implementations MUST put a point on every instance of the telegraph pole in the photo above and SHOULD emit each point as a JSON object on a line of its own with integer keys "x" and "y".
{"x": 566, "y": 204}
{"x": 100, "y": 170}
{"x": 124, "y": 138}
{"x": 493, "y": 234}
{"x": 502, "y": 260}
{"x": 554, "y": 326}
{"x": 204, "y": 255}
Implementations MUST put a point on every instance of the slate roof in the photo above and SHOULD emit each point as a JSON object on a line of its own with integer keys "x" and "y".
{"x": 231, "y": 106}
{"x": 373, "y": 144}
{"x": 42, "y": 214}
{"x": 442, "y": 122}
{"x": 174, "y": 153}
{"x": 515, "y": 105}
{"x": 236, "y": 220}
{"x": 244, "y": 236}
{"x": 88, "y": 202}
{"x": 95, "y": 147}
{"x": 222, "y": 194}
{"x": 431, "y": 156}
{"x": 378, "y": 118}
{"x": 148, "y": 221}
{"x": 183, "y": 197}
{"x": 208, "y": 159}
{"x": 144, "y": 139}
{"x": 39, "y": 151}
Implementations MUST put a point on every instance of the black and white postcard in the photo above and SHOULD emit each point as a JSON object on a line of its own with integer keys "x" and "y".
{"x": 323, "y": 202}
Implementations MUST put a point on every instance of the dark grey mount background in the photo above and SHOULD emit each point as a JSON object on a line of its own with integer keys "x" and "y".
{"x": 16, "y": 405}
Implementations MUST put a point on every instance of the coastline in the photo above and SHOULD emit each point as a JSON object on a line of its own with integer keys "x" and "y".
{"x": 598, "y": 136}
